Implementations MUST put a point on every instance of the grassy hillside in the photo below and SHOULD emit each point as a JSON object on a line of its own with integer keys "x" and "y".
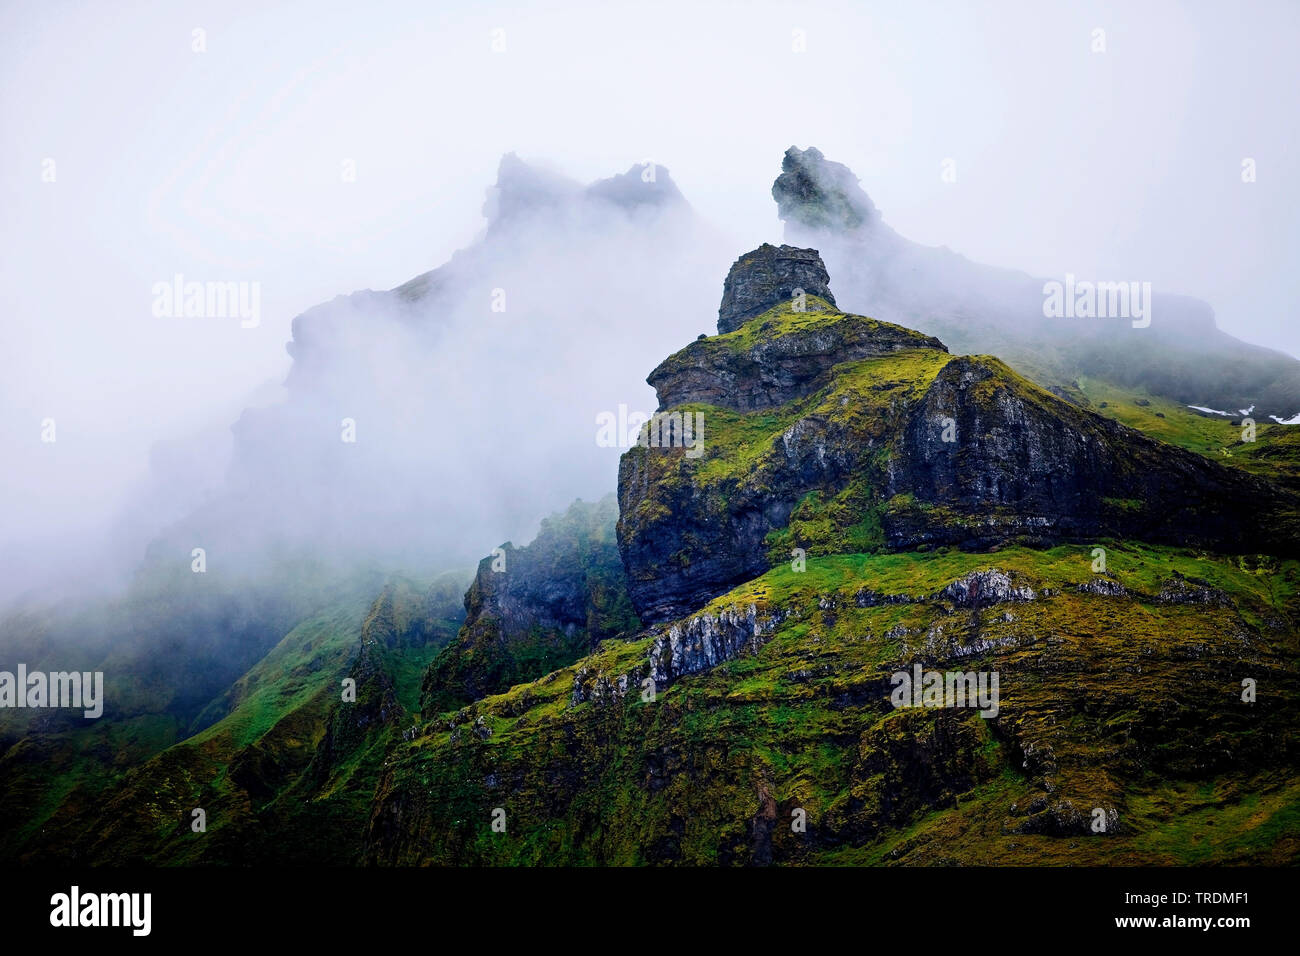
{"x": 1128, "y": 702}
{"x": 283, "y": 726}
{"x": 1274, "y": 454}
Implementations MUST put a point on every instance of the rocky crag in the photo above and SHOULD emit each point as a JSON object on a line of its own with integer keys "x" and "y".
{"x": 831, "y": 537}
{"x": 830, "y": 432}
{"x": 533, "y": 609}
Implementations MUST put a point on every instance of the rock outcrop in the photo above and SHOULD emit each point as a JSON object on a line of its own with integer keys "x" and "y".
{"x": 985, "y": 457}
{"x": 770, "y": 274}
{"x": 816, "y": 193}
{"x": 777, "y": 364}
{"x": 976, "y": 308}
{"x": 835, "y": 433}
{"x": 986, "y": 588}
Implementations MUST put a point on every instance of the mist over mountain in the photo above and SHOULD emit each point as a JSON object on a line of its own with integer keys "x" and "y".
{"x": 664, "y": 678}
{"x": 1176, "y": 350}
{"x": 420, "y": 423}
{"x": 417, "y": 428}
{"x": 471, "y": 435}
{"x": 473, "y": 389}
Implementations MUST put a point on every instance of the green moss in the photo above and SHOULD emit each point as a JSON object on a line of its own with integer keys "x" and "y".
{"x": 1124, "y": 505}
{"x": 745, "y": 453}
{"x": 1274, "y": 454}
{"x": 805, "y": 721}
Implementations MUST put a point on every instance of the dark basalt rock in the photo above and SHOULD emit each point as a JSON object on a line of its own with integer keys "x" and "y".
{"x": 555, "y": 600}
{"x": 770, "y": 274}
{"x": 1026, "y": 464}
{"x": 722, "y": 546}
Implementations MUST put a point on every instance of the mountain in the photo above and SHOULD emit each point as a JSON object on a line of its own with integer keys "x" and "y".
{"x": 712, "y": 680}
{"x": 833, "y": 432}
{"x": 974, "y": 308}
{"x": 704, "y": 668}
{"x": 752, "y": 721}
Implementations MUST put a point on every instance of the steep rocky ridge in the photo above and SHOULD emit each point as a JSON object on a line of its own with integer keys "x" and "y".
{"x": 834, "y": 433}
{"x": 535, "y": 608}
{"x": 976, "y": 308}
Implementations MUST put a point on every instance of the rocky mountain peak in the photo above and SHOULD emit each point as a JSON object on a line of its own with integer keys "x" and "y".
{"x": 770, "y": 274}
{"x": 522, "y": 188}
{"x": 814, "y": 193}
{"x": 644, "y": 184}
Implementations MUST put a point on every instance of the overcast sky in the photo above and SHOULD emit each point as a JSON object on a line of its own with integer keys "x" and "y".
{"x": 225, "y": 164}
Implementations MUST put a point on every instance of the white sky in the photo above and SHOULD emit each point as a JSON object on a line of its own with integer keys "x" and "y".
{"x": 225, "y": 164}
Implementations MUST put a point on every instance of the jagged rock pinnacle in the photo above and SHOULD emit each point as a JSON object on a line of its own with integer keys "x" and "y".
{"x": 814, "y": 193}
{"x": 760, "y": 279}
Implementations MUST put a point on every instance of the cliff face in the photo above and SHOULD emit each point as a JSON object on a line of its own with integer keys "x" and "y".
{"x": 535, "y": 608}
{"x": 1023, "y": 463}
{"x": 760, "y": 279}
{"x": 773, "y": 704}
{"x": 834, "y": 433}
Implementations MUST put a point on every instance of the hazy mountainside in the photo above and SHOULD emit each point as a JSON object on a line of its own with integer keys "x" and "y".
{"x": 534, "y": 609}
{"x": 283, "y": 754}
{"x": 395, "y": 404}
{"x": 748, "y": 707}
{"x": 674, "y": 674}
{"x": 397, "y": 398}
{"x": 286, "y": 758}
{"x": 758, "y": 695}
{"x": 175, "y": 639}
{"x": 975, "y": 308}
